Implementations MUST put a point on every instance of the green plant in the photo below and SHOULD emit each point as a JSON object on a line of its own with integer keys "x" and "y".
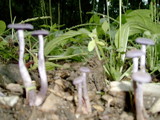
{"x": 2, "y": 27}
{"x": 8, "y": 51}
{"x": 108, "y": 54}
{"x": 66, "y": 45}
{"x": 138, "y": 22}
{"x": 135, "y": 23}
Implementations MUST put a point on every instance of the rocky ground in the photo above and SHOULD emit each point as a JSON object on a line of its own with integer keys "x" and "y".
{"x": 61, "y": 101}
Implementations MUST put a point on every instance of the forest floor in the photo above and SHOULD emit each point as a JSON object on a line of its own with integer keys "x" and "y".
{"x": 61, "y": 100}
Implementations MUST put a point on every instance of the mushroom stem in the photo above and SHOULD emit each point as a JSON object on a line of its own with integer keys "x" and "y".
{"x": 135, "y": 64}
{"x": 139, "y": 102}
{"x": 140, "y": 77}
{"x": 78, "y": 82}
{"x": 144, "y": 42}
{"x": 143, "y": 69}
{"x": 143, "y": 59}
{"x": 138, "y": 93}
{"x": 42, "y": 72}
{"x": 30, "y": 93}
{"x": 85, "y": 94}
{"x": 79, "y": 97}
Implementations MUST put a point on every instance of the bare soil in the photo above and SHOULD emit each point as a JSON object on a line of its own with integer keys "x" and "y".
{"x": 61, "y": 101}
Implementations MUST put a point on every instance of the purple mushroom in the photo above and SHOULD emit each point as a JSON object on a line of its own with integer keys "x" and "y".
{"x": 134, "y": 54}
{"x": 144, "y": 42}
{"x": 78, "y": 81}
{"x": 29, "y": 86}
{"x": 84, "y": 71}
{"x": 140, "y": 78}
{"x": 41, "y": 67}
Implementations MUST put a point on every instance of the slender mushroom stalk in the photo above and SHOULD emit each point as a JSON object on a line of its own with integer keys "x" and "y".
{"x": 41, "y": 67}
{"x": 135, "y": 54}
{"x": 29, "y": 86}
{"x": 140, "y": 77}
{"x": 78, "y": 81}
{"x": 144, "y": 42}
{"x": 84, "y": 71}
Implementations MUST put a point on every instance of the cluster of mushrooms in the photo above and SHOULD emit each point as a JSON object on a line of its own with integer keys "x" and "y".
{"x": 34, "y": 99}
{"x": 139, "y": 75}
{"x": 84, "y": 105}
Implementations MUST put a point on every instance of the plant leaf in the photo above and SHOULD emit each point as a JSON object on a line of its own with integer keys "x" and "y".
{"x": 91, "y": 45}
{"x": 2, "y": 26}
{"x": 105, "y": 26}
{"x": 58, "y": 40}
{"x": 84, "y": 31}
{"x": 94, "y": 19}
{"x": 101, "y": 43}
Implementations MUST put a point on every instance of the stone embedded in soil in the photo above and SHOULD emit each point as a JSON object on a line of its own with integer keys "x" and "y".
{"x": 14, "y": 87}
{"x": 58, "y": 91}
{"x": 115, "y": 99}
{"x": 9, "y": 74}
{"x": 58, "y": 105}
{"x": 61, "y": 94}
{"x": 126, "y": 86}
{"x": 59, "y": 82}
{"x": 9, "y": 100}
{"x": 55, "y": 100}
{"x": 149, "y": 101}
{"x": 98, "y": 107}
{"x": 156, "y": 107}
{"x": 51, "y": 103}
{"x": 126, "y": 116}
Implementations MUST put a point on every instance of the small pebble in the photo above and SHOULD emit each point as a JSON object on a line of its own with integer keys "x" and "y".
{"x": 14, "y": 87}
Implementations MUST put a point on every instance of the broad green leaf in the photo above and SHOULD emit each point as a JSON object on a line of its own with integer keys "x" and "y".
{"x": 105, "y": 26}
{"x": 129, "y": 28}
{"x": 121, "y": 43}
{"x": 140, "y": 15}
{"x": 2, "y": 26}
{"x": 138, "y": 21}
{"x": 91, "y": 45}
{"x": 126, "y": 30}
{"x": 84, "y": 31}
{"x": 101, "y": 43}
{"x": 94, "y": 19}
{"x": 59, "y": 40}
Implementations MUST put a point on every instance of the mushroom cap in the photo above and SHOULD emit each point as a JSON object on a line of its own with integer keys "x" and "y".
{"x": 20, "y": 26}
{"x": 78, "y": 80}
{"x": 141, "y": 77}
{"x": 40, "y": 32}
{"x": 134, "y": 53}
{"x": 145, "y": 41}
{"x": 84, "y": 69}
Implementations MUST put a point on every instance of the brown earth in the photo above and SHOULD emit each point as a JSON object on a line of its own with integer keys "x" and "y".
{"x": 61, "y": 100}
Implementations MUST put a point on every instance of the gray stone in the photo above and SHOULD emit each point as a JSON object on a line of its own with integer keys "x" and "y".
{"x": 9, "y": 100}
{"x": 9, "y": 74}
